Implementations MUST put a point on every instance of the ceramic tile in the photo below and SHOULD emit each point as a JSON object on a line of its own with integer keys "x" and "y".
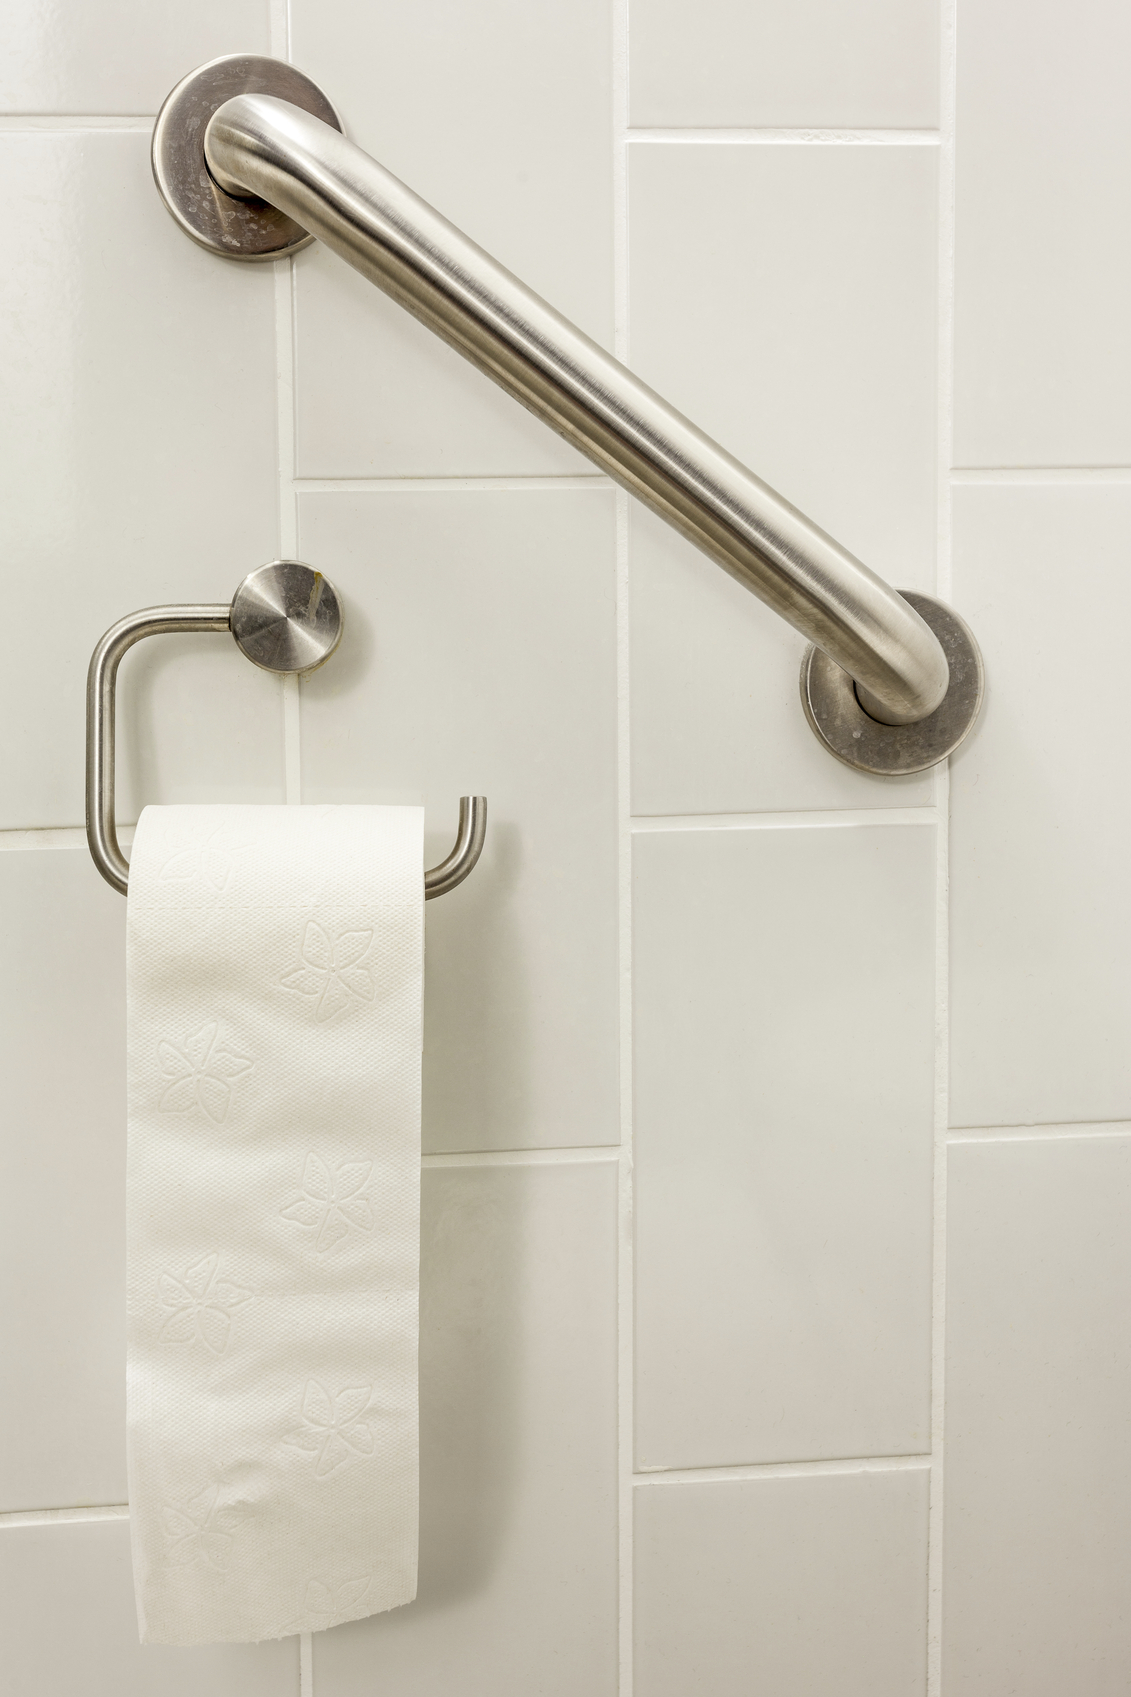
{"x": 69, "y": 1626}
{"x": 717, "y": 722}
{"x": 136, "y": 467}
{"x": 783, "y": 1063}
{"x": 783, "y": 1585}
{"x": 1038, "y": 1382}
{"x": 820, "y": 376}
{"x": 1041, "y": 909}
{"x": 518, "y": 1588}
{"x": 1042, "y": 332}
{"x": 794, "y": 63}
{"x": 62, "y": 1251}
{"x": 479, "y": 657}
{"x": 117, "y": 56}
{"x": 499, "y": 116}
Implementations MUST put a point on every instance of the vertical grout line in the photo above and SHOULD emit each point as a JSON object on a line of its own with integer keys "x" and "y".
{"x": 626, "y": 1305}
{"x": 943, "y": 582}
{"x": 625, "y": 1276}
{"x": 288, "y": 548}
{"x": 285, "y": 404}
{"x": 285, "y": 439}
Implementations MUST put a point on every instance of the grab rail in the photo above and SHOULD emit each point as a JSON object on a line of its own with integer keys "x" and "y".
{"x": 254, "y": 144}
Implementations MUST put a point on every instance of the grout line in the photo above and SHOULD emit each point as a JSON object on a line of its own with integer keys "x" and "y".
{"x": 59, "y": 837}
{"x": 67, "y": 123}
{"x": 626, "y": 1299}
{"x": 280, "y": 38}
{"x": 782, "y": 1470}
{"x": 1040, "y": 1133}
{"x": 943, "y": 588}
{"x": 1049, "y": 474}
{"x": 442, "y": 485}
{"x": 55, "y": 837}
{"x": 285, "y": 404}
{"x": 581, "y": 1155}
{"x": 280, "y": 29}
{"x": 935, "y": 1526}
{"x": 785, "y": 137}
{"x": 291, "y": 687}
{"x": 14, "y": 1519}
{"x": 647, "y": 824}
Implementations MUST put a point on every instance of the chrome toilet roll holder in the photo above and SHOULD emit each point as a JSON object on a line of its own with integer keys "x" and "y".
{"x": 286, "y": 617}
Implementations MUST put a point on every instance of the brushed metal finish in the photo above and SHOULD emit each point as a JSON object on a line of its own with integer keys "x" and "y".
{"x": 470, "y": 837}
{"x": 834, "y": 711}
{"x": 101, "y": 681}
{"x": 286, "y": 617}
{"x": 101, "y": 678}
{"x": 221, "y": 222}
{"x": 265, "y": 146}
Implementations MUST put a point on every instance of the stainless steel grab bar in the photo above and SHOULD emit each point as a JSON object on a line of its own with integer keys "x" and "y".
{"x": 225, "y": 143}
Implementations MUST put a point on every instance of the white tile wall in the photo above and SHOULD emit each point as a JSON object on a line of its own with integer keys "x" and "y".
{"x": 63, "y": 1164}
{"x": 68, "y": 1626}
{"x": 518, "y": 1446}
{"x": 818, "y": 291}
{"x": 1041, "y": 981}
{"x": 793, "y": 1585}
{"x": 137, "y": 465}
{"x": 797, "y": 63}
{"x": 784, "y": 298}
{"x": 480, "y": 658}
{"x": 1043, "y": 336}
{"x": 1038, "y": 1380}
{"x": 117, "y": 56}
{"x": 784, "y": 1031}
{"x": 499, "y": 115}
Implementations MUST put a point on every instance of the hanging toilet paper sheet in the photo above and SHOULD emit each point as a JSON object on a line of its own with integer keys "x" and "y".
{"x": 275, "y": 975}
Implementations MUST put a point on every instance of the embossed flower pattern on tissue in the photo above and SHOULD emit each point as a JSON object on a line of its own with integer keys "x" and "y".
{"x": 334, "y": 1429}
{"x": 202, "y": 1070}
{"x": 326, "y": 1606}
{"x": 201, "y": 1530}
{"x": 331, "y": 1200}
{"x": 332, "y": 971}
{"x": 211, "y": 861}
{"x": 201, "y": 1305}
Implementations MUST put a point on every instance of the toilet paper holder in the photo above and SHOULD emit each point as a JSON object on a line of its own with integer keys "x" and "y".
{"x": 286, "y": 617}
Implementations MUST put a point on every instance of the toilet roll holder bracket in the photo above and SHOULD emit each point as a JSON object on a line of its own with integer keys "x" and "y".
{"x": 285, "y": 617}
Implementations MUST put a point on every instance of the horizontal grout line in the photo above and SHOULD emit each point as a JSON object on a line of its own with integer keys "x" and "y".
{"x": 62, "y": 1516}
{"x": 583, "y": 1155}
{"x": 55, "y": 837}
{"x": 67, "y": 123}
{"x": 1040, "y": 474}
{"x": 442, "y": 485}
{"x": 782, "y": 1470}
{"x": 1040, "y": 1133}
{"x": 646, "y": 824}
{"x": 786, "y": 137}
